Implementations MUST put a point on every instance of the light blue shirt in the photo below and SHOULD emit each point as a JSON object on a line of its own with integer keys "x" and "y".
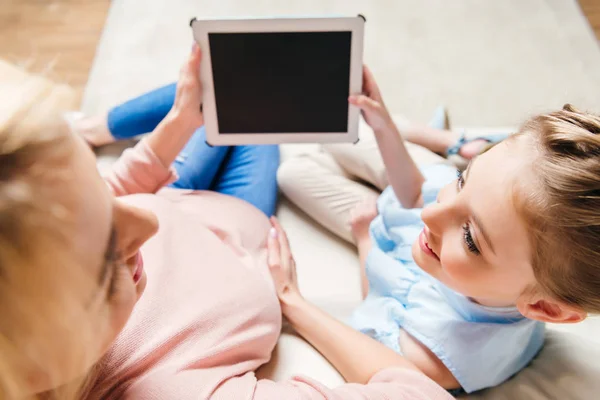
{"x": 481, "y": 346}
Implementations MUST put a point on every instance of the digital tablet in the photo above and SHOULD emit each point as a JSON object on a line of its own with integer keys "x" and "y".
{"x": 280, "y": 80}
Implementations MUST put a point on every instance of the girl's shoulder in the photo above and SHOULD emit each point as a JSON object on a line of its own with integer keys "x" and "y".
{"x": 436, "y": 177}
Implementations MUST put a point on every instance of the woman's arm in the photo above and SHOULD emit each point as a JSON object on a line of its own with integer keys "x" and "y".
{"x": 175, "y": 130}
{"x": 393, "y": 383}
{"x": 356, "y": 356}
{"x": 403, "y": 174}
{"x": 147, "y": 167}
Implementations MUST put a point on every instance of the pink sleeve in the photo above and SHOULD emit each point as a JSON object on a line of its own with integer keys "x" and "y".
{"x": 214, "y": 384}
{"x": 138, "y": 170}
{"x": 389, "y": 384}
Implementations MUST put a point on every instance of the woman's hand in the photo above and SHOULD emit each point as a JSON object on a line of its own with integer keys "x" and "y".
{"x": 282, "y": 265}
{"x": 172, "y": 134}
{"x": 361, "y": 217}
{"x": 371, "y": 103}
{"x": 188, "y": 98}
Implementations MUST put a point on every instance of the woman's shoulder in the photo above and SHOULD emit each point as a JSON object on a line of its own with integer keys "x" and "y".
{"x": 207, "y": 276}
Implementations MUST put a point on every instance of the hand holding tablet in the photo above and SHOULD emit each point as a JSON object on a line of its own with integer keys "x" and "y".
{"x": 270, "y": 81}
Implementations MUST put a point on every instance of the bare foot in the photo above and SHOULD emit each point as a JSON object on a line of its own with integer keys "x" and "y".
{"x": 94, "y": 130}
{"x": 472, "y": 149}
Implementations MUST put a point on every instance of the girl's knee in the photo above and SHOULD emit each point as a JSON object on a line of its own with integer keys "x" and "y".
{"x": 291, "y": 170}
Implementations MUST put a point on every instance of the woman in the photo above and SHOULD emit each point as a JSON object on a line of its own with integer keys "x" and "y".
{"x": 82, "y": 320}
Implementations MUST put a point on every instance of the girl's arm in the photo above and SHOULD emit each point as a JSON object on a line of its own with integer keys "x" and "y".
{"x": 360, "y": 219}
{"x": 403, "y": 174}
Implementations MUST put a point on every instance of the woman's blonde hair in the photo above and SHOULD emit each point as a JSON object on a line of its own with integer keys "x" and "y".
{"x": 564, "y": 214}
{"x": 35, "y": 260}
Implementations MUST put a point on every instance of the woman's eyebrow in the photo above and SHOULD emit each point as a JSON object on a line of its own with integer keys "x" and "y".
{"x": 476, "y": 218}
{"x": 109, "y": 254}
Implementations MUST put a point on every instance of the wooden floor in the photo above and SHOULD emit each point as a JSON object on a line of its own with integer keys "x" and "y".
{"x": 60, "y": 36}
{"x": 591, "y": 9}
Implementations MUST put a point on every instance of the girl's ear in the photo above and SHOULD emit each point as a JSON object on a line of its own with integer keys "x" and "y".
{"x": 545, "y": 309}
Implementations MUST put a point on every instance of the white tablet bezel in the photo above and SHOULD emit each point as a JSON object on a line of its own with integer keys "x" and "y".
{"x": 201, "y": 30}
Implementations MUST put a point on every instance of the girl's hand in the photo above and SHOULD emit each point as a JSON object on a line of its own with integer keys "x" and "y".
{"x": 361, "y": 217}
{"x": 282, "y": 265}
{"x": 188, "y": 98}
{"x": 371, "y": 103}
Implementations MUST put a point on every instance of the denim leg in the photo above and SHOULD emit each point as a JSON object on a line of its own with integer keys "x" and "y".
{"x": 198, "y": 163}
{"x": 141, "y": 114}
{"x": 250, "y": 173}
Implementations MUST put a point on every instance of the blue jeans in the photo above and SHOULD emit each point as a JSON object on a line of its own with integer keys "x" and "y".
{"x": 245, "y": 172}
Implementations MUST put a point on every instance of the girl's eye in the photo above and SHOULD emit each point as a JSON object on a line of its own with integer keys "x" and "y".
{"x": 460, "y": 180}
{"x": 469, "y": 240}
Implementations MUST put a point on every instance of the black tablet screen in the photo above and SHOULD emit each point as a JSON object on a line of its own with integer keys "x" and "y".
{"x": 281, "y": 82}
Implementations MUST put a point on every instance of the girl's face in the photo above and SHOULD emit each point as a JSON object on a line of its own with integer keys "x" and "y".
{"x": 474, "y": 240}
{"x": 106, "y": 238}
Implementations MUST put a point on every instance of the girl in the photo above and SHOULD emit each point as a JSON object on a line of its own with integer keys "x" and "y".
{"x": 460, "y": 274}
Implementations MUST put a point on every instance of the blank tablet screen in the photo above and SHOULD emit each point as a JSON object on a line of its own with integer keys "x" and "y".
{"x": 281, "y": 82}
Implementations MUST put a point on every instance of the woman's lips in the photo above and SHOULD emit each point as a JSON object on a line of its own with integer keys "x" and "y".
{"x": 139, "y": 267}
{"x": 424, "y": 244}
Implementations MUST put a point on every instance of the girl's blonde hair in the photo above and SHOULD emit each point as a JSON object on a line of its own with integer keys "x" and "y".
{"x": 564, "y": 214}
{"x": 35, "y": 260}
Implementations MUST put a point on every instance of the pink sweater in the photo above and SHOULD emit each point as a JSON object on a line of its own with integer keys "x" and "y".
{"x": 209, "y": 316}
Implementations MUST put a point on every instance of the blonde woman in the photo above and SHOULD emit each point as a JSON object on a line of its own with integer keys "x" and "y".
{"x": 119, "y": 289}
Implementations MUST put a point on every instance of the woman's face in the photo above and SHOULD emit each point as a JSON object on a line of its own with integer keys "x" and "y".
{"x": 107, "y": 237}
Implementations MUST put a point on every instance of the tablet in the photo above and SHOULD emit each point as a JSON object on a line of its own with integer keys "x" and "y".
{"x": 281, "y": 80}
